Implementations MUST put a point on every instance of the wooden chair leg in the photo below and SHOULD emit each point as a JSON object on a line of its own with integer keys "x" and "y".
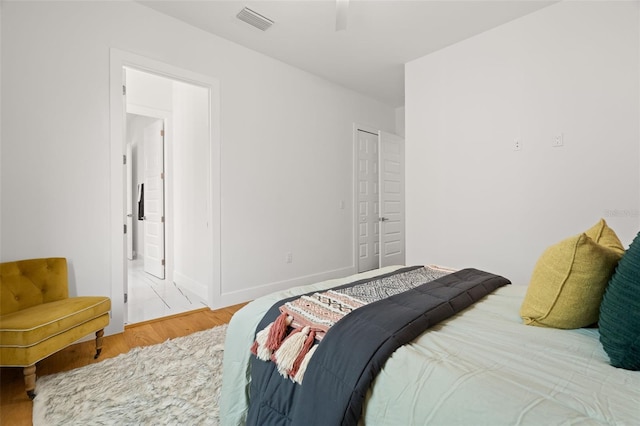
{"x": 30, "y": 380}
{"x": 99, "y": 340}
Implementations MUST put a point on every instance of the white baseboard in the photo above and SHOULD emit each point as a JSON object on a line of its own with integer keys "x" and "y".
{"x": 193, "y": 286}
{"x": 245, "y": 295}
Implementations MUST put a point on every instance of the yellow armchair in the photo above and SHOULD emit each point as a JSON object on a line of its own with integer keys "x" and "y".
{"x": 38, "y": 318}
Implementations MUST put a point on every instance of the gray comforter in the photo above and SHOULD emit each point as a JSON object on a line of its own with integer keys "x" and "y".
{"x": 355, "y": 349}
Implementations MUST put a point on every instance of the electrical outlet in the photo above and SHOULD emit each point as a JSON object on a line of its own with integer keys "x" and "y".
{"x": 558, "y": 140}
{"x": 517, "y": 144}
{"x": 288, "y": 258}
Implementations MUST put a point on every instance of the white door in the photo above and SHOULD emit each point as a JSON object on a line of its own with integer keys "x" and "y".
{"x": 367, "y": 201}
{"x": 154, "y": 199}
{"x": 392, "y": 234}
{"x": 129, "y": 160}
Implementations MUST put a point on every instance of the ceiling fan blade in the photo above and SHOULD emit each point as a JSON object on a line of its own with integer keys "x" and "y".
{"x": 342, "y": 7}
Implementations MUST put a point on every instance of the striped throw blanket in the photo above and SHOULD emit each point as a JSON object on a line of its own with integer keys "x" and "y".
{"x": 292, "y": 338}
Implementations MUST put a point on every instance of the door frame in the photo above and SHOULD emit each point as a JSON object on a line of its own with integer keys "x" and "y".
{"x": 117, "y": 212}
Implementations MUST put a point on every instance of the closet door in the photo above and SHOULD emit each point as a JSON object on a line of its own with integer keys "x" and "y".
{"x": 380, "y": 235}
{"x": 367, "y": 203}
{"x": 391, "y": 178}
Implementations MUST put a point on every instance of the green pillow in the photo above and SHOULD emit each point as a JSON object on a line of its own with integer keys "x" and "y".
{"x": 620, "y": 312}
{"x": 569, "y": 280}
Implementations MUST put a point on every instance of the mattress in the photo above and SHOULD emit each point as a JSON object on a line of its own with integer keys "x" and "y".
{"x": 480, "y": 367}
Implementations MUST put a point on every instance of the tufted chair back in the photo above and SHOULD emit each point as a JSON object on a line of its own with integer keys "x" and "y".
{"x": 27, "y": 283}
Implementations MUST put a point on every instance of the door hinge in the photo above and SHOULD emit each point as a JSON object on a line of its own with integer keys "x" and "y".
{"x": 162, "y": 175}
{"x": 162, "y": 262}
{"x": 162, "y": 133}
{"x": 124, "y": 89}
{"x": 126, "y": 298}
{"x": 125, "y": 228}
{"x": 162, "y": 219}
{"x": 124, "y": 159}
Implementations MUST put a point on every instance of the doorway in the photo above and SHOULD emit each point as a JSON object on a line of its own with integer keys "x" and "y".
{"x": 206, "y": 219}
{"x": 379, "y": 199}
{"x": 167, "y": 130}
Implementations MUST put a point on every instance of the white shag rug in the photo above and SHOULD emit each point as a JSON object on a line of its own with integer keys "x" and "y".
{"x": 173, "y": 383}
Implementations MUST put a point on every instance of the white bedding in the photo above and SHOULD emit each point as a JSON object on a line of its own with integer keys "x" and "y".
{"x": 481, "y": 367}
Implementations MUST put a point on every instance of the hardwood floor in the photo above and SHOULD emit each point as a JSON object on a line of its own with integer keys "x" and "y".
{"x": 15, "y": 406}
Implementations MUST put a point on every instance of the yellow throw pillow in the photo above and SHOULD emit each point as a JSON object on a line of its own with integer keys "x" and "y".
{"x": 570, "y": 278}
{"x": 603, "y": 235}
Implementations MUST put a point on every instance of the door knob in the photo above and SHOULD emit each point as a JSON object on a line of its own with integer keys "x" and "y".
{"x": 383, "y": 219}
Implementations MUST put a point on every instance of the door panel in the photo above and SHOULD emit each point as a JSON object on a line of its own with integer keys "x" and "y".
{"x": 392, "y": 234}
{"x": 368, "y": 202}
{"x": 129, "y": 187}
{"x": 154, "y": 199}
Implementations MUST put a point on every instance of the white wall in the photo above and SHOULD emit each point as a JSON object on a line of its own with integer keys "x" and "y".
{"x": 148, "y": 90}
{"x": 400, "y": 121}
{"x": 1, "y": 32}
{"x": 191, "y": 177}
{"x": 286, "y": 149}
{"x": 572, "y": 68}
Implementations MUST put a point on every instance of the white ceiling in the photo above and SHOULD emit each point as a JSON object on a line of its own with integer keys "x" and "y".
{"x": 368, "y": 56}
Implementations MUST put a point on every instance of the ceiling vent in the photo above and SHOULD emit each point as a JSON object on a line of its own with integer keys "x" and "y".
{"x": 255, "y": 19}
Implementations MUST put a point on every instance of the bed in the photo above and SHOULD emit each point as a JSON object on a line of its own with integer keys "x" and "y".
{"x": 482, "y": 366}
